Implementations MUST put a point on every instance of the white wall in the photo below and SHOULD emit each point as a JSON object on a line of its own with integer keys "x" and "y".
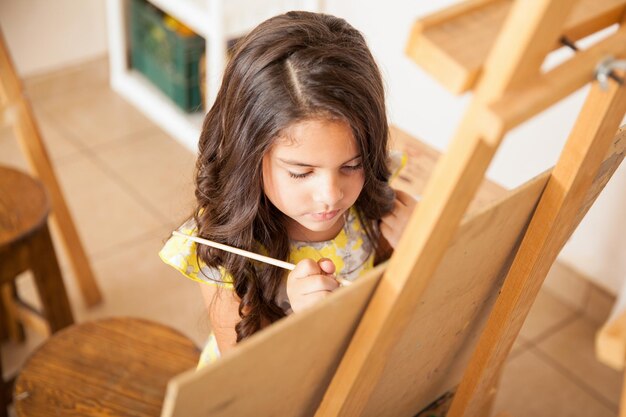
{"x": 45, "y": 35}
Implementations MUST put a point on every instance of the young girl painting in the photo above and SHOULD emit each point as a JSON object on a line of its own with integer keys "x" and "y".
{"x": 293, "y": 164}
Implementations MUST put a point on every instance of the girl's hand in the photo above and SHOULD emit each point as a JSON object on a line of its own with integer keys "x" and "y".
{"x": 310, "y": 282}
{"x": 393, "y": 224}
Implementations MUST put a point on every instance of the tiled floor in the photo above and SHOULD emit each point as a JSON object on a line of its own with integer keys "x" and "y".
{"x": 128, "y": 184}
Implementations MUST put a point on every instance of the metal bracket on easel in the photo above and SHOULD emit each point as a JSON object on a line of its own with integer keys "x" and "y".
{"x": 606, "y": 69}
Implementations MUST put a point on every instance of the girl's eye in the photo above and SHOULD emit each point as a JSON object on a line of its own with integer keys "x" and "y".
{"x": 298, "y": 176}
{"x": 355, "y": 167}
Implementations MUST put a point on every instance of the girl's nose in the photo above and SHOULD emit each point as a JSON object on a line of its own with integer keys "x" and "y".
{"x": 329, "y": 191}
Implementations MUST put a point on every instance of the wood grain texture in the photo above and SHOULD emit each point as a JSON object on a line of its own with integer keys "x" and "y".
{"x": 23, "y": 205}
{"x": 453, "y": 45}
{"x": 112, "y": 367}
{"x": 444, "y": 321}
{"x": 26, "y": 244}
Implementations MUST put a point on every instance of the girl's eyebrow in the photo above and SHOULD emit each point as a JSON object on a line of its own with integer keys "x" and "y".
{"x": 302, "y": 164}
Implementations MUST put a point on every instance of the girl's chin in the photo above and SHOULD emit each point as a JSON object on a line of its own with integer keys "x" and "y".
{"x": 315, "y": 230}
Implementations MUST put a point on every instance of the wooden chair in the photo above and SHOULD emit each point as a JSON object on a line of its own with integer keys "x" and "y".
{"x": 25, "y": 244}
{"x": 114, "y": 367}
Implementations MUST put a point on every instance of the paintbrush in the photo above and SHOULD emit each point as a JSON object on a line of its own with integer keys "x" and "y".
{"x": 261, "y": 258}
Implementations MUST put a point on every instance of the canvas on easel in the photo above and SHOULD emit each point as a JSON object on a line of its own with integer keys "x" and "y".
{"x": 404, "y": 334}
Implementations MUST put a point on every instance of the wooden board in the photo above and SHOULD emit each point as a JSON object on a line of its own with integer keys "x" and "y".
{"x": 285, "y": 369}
{"x": 452, "y": 45}
{"x": 452, "y": 310}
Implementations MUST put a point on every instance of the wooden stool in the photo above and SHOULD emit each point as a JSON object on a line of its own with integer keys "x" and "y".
{"x": 112, "y": 367}
{"x": 25, "y": 244}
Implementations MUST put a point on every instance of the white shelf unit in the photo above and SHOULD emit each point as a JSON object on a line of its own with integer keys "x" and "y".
{"x": 216, "y": 21}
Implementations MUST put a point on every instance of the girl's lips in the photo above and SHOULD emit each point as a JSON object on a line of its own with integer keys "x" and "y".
{"x": 324, "y": 216}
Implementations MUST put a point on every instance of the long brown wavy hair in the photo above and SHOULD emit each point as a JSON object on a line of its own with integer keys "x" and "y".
{"x": 290, "y": 68}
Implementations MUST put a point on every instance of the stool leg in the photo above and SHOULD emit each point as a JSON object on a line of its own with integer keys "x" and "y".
{"x": 4, "y": 320}
{"x": 10, "y": 326}
{"x": 49, "y": 281}
{"x": 6, "y": 393}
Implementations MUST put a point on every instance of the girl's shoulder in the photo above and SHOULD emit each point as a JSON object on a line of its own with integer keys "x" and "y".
{"x": 181, "y": 254}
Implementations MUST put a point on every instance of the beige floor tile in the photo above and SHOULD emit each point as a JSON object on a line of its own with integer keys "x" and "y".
{"x": 547, "y": 313}
{"x": 15, "y": 354}
{"x": 572, "y": 348}
{"x": 106, "y": 214}
{"x": 571, "y": 287}
{"x": 95, "y": 116}
{"x": 57, "y": 144}
{"x": 531, "y": 387}
{"x": 599, "y": 304}
{"x": 69, "y": 80}
{"x": 158, "y": 169}
{"x": 135, "y": 282}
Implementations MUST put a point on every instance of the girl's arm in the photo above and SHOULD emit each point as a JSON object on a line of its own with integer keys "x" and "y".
{"x": 393, "y": 224}
{"x": 223, "y": 307}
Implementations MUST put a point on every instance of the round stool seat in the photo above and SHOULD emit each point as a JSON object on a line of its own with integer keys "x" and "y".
{"x": 23, "y": 205}
{"x": 112, "y": 367}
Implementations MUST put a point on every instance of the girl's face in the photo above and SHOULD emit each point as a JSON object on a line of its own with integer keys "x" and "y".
{"x": 313, "y": 174}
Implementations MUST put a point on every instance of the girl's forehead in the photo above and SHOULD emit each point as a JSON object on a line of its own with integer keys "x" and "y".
{"x": 314, "y": 134}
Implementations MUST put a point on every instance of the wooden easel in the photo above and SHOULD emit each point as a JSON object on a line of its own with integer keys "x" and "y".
{"x": 496, "y": 48}
{"x": 16, "y": 110}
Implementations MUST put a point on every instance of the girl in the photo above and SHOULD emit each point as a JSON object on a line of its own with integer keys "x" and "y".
{"x": 292, "y": 163}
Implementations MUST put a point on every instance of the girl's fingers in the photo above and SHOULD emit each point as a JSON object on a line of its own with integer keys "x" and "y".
{"x": 326, "y": 265}
{"x": 304, "y": 268}
{"x": 318, "y": 283}
{"x": 405, "y": 198}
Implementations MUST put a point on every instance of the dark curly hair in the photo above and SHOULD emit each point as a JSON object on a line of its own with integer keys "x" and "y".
{"x": 290, "y": 68}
